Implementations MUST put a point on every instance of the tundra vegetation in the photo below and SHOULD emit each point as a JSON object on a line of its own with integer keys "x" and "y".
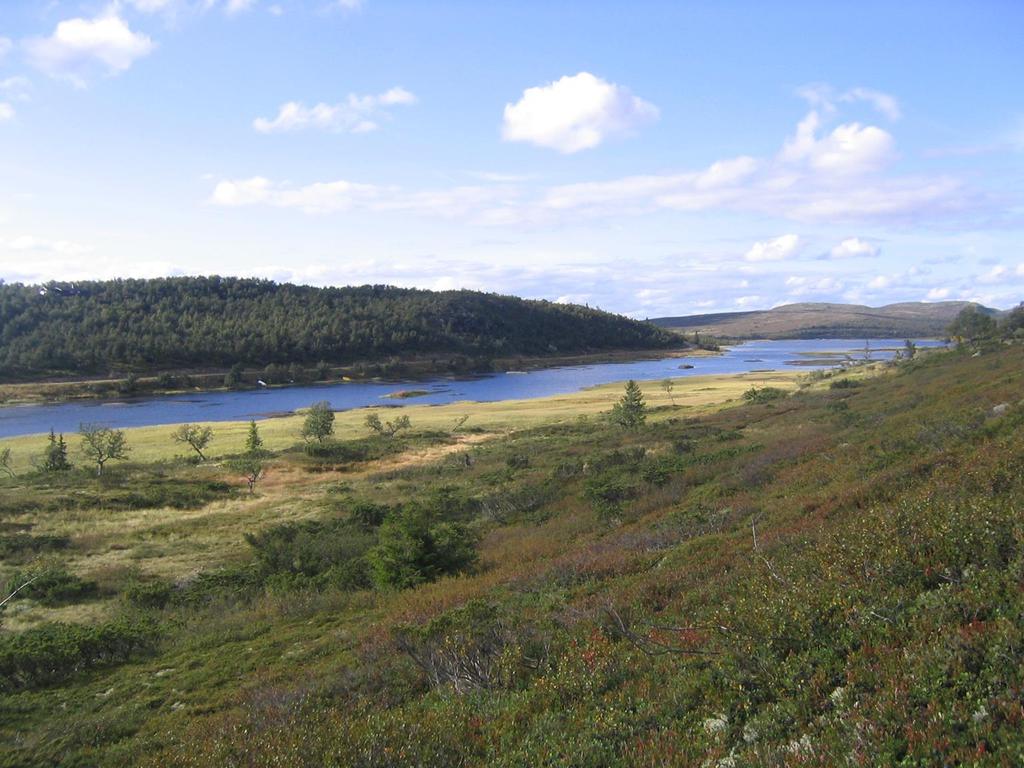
{"x": 826, "y": 576}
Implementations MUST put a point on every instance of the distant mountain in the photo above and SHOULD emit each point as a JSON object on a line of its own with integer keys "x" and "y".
{"x": 820, "y": 320}
{"x": 210, "y": 322}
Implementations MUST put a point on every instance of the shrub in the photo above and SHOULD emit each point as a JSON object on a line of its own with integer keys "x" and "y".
{"x": 759, "y": 395}
{"x": 52, "y": 586}
{"x": 414, "y": 548}
{"x": 23, "y": 545}
{"x": 52, "y": 652}
{"x": 149, "y": 594}
{"x": 845, "y": 384}
{"x": 309, "y": 548}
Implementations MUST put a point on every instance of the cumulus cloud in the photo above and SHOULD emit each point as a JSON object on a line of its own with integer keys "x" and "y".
{"x": 853, "y": 247}
{"x": 837, "y": 176}
{"x": 779, "y": 248}
{"x": 575, "y": 113}
{"x": 357, "y": 114}
{"x": 851, "y": 148}
{"x": 937, "y": 294}
{"x": 79, "y": 45}
{"x": 6, "y": 112}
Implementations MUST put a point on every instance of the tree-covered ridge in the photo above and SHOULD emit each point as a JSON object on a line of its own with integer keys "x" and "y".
{"x": 94, "y": 327}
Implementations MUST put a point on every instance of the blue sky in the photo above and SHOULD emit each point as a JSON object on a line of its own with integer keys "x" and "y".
{"x": 649, "y": 158}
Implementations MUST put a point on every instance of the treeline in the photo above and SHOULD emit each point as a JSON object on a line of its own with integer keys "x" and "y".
{"x": 171, "y": 323}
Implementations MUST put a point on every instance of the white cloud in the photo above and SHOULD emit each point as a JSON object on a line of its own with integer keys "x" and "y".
{"x": 853, "y": 247}
{"x": 809, "y": 179}
{"x": 357, "y": 114}
{"x": 801, "y": 286}
{"x": 747, "y": 301}
{"x": 232, "y": 7}
{"x": 77, "y": 45}
{"x": 42, "y": 245}
{"x": 5, "y": 46}
{"x": 575, "y": 113}
{"x": 937, "y": 294}
{"x": 340, "y": 196}
{"x": 995, "y": 275}
{"x": 16, "y": 87}
{"x": 826, "y": 97}
{"x": 1020, "y": 269}
{"x": 6, "y": 112}
{"x": 776, "y": 249}
{"x": 150, "y": 6}
{"x": 849, "y": 149}
{"x": 880, "y": 282}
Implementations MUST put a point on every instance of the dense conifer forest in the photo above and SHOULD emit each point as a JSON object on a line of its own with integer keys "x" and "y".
{"x": 161, "y": 324}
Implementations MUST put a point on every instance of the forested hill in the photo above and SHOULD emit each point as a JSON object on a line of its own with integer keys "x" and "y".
{"x": 161, "y": 324}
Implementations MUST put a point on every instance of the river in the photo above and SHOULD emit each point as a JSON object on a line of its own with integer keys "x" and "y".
{"x": 257, "y": 404}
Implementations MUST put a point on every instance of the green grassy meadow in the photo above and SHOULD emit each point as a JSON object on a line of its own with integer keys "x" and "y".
{"x": 827, "y": 576}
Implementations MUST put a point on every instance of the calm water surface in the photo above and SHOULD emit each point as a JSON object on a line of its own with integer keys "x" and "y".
{"x": 256, "y": 404}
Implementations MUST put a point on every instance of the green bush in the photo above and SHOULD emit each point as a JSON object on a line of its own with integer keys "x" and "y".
{"x": 53, "y": 652}
{"x": 149, "y": 594}
{"x": 844, "y": 384}
{"x": 19, "y": 546}
{"x": 52, "y": 586}
{"x": 309, "y": 548}
{"x": 414, "y": 547}
{"x": 759, "y": 395}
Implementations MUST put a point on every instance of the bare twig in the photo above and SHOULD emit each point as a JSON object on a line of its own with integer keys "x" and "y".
{"x": 768, "y": 563}
{"x": 10, "y": 596}
{"x": 652, "y": 647}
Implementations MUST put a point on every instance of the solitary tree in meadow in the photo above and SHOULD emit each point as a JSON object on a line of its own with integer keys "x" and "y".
{"x": 631, "y": 410}
{"x": 668, "y": 385}
{"x": 319, "y": 423}
{"x": 101, "y": 444}
{"x": 195, "y": 436}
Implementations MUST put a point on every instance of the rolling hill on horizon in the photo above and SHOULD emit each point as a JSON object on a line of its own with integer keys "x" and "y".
{"x": 821, "y": 320}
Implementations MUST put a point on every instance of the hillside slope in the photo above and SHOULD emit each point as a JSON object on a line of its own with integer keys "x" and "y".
{"x": 827, "y": 578}
{"x": 821, "y": 320}
{"x": 163, "y": 324}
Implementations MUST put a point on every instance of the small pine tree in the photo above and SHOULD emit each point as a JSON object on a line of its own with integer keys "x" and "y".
{"x": 631, "y": 410}
{"x": 234, "y": 377}
{"x": 253, "y": 441}
{"x": 55, "y": 457}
